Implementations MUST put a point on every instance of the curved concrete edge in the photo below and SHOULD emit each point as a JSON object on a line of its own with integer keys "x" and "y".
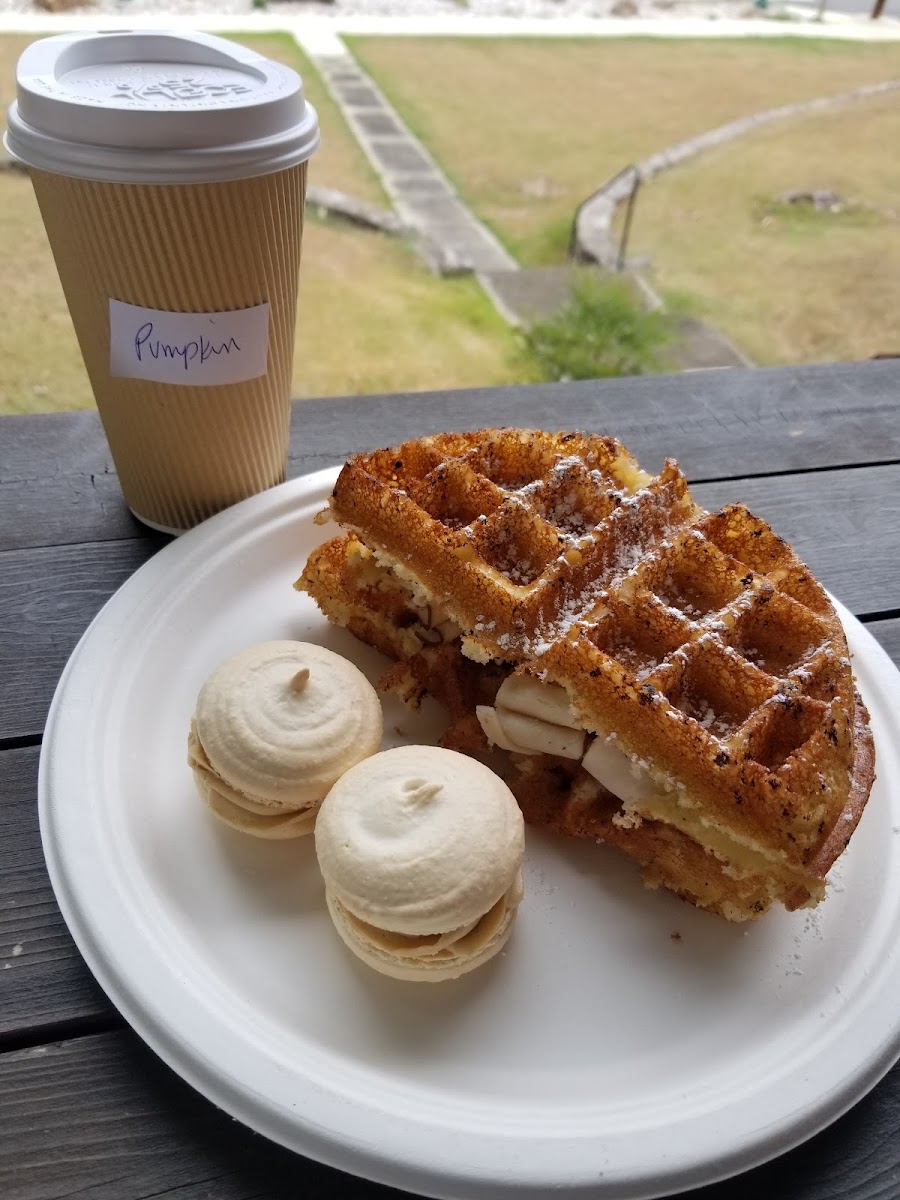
{"x": 592, "y": 232}
{"x": 449, "y": 238}
{"x": 358, "y": 212}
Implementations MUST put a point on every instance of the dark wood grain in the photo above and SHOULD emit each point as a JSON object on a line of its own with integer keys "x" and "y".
{"x": 48, "y": 596}
{"x": 101, "y": 1118}
{"x": 57, "y": 482}
{"x": 844, "y": 524}
{"x": 718, "y": 424}
{"x": 888, "y": 633}
{"x": 47, "y": 599}
{"x": 56, "y": 485}
{"x": 44, "y": 982}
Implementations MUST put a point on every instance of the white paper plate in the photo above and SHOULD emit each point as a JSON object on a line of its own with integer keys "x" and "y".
{"x": 624, "y": 1045}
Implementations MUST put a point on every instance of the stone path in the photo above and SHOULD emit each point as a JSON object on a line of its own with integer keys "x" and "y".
{"x": 450, "y": 237}
{"x": 529, "y": 294}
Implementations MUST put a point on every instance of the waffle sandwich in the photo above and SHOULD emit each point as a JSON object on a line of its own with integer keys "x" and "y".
{"x": 671, "y": 681}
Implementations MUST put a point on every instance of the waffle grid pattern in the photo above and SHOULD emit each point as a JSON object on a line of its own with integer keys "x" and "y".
{"x": 698, "y": 639}
{"x": 741, "y": 691}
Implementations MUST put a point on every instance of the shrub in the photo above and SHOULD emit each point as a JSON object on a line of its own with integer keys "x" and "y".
{"x": 603, "y": 330}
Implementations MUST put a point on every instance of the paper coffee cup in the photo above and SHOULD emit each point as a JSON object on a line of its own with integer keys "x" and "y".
{"x": 170, "y": 171}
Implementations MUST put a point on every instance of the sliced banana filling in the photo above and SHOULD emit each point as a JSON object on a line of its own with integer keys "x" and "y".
{"x": 531, "y": 717}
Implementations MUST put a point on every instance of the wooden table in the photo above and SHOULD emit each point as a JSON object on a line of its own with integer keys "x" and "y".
{"x": 85, "y": 1109}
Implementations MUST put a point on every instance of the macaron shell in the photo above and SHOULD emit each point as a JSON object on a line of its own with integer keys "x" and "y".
{"x": 240, "y": 811}
{"x": 202, "y": 768}
{"x": 278, "y": 826}
{"x": 279, "y": 744}
{"x": 436, "y": 963}
{"x": 419, "y": 840}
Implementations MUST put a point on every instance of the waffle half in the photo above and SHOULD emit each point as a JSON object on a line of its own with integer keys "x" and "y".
{"x": 705, "y": 668}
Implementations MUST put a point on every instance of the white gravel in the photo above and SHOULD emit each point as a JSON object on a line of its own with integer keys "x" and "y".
{"x": 298, "y": 9}
{"x": 318, "y": 25}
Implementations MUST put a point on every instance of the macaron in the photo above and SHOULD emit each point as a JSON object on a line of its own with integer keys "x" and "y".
{"x": 274, "y": 727}
{"x": 421, "y": 852}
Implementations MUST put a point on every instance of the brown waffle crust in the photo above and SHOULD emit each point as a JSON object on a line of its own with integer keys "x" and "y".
{"x": 699, "y": 640}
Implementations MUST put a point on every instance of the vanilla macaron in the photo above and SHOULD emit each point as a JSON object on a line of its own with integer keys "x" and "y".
{"x": 274, "y": 727}
{"x": 421, "y": 853}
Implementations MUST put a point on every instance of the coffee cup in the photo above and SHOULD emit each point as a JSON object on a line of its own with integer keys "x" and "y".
{"x": 170, "y": 171}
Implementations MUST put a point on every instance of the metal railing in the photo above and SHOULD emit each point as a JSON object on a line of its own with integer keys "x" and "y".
{"x": 629, "y": 214}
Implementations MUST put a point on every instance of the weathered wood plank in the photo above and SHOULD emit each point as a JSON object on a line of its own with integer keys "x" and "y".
{"x": 844, "y": 524}
{"x": 102, "y": 1118}
{"x": 47, "y": 599}
{"x": 55, "y": 480}
{"x": 718, "y": 424}
{"x": 43, "y": 979}
{"x": 48, "y": 596}
{"x": 888, "y": 633}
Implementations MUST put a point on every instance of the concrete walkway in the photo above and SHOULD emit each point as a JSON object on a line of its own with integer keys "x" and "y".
{"x": 450, "y": 237}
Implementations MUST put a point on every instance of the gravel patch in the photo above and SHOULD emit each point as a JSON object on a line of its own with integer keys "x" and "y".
{"x": 338, "y": 9}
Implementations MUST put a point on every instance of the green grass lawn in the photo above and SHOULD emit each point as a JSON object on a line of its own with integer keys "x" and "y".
{"x": 528, "y": 128}
{"x": 788, "y": 283}
{"x": 371, "y": 317}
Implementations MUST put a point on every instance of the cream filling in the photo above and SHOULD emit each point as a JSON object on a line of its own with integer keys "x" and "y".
{"x": 241, "y": 811}
{"x": 527, "y": 735}
{"x": 284, "y": 825}
{"x": 642, "y": 794}
{"x": 465, "y": 942}
{"x": 546, "y": 702}
{"x": 422, "y": 599}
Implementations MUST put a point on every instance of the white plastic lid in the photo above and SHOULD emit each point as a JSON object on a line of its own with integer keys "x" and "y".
{"x": 145, "y": 107}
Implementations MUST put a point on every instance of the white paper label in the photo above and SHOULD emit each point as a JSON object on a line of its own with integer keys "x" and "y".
{"x": 194, "y": 349}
